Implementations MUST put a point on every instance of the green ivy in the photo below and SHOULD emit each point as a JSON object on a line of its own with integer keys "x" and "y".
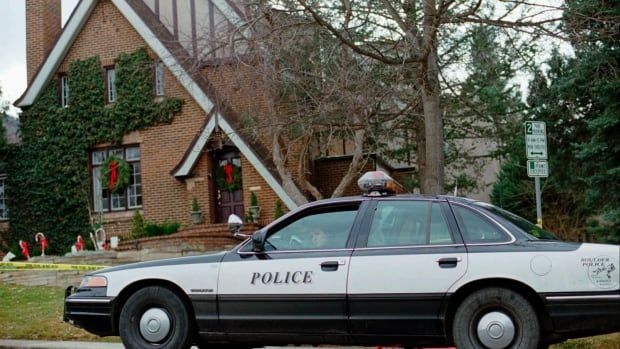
{"x": 49, "y": 184}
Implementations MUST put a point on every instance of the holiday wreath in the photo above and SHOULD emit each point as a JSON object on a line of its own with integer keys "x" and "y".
{"x": 115, "y": 173}
{"x": 228, "y": 177}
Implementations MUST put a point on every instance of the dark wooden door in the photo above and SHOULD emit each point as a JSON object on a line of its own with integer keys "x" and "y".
{"x": 229, "y": 202}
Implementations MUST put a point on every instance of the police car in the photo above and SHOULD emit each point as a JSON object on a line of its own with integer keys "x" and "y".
{"x": 378, "y": 269}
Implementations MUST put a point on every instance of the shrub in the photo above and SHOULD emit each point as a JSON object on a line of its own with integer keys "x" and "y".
{"x": 138, "y": 229}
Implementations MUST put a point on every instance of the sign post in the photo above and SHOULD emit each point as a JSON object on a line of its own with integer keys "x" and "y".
{"x": 537, "y": 165}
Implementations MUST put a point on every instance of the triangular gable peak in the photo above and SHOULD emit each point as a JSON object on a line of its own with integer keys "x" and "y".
{"x": 130, "y": 9}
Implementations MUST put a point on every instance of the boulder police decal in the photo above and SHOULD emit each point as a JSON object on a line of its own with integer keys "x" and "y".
{"x": 277, "y": 278}
{"x": 602, "y": 271}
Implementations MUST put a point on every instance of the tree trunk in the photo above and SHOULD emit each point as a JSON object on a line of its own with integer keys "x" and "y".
{"x": 287, "y": 179}
{"x": 355, "y": 165}
{"x": 433, "y": 180}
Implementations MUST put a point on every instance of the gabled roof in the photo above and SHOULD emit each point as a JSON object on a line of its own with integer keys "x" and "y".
{"x": 161, "y": 42}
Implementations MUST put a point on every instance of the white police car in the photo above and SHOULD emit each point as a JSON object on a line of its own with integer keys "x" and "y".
{"x": 370, "y": 270}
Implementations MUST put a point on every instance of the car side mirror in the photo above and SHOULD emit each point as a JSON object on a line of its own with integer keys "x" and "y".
{"x": 234, "y": 224}
{"x": 258, "y": 241}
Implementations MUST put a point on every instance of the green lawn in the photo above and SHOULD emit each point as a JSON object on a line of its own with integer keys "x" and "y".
{"x": 36, "y": 313}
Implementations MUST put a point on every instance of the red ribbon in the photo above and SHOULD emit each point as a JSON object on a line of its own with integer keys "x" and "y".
{"x": 229, "y": 172}
{"x": 113, "y": 175}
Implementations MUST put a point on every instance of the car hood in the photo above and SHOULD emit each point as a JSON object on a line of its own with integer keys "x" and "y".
{"x": 204, "y": 258}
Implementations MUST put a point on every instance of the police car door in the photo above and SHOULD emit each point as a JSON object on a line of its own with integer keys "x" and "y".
{"x": 297, "y": 285}
{"x": 402, "y": 266}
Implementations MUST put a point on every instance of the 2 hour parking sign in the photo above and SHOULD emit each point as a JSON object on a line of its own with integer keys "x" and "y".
{"x": 536, "y": 140}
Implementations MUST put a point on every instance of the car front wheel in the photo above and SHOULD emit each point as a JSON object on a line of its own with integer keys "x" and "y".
{"x": 155, "y": 317}
{"x": 496, "y": 318}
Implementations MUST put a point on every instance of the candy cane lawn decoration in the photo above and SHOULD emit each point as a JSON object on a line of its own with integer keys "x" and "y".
{"x": 40, "y": 238}
{"x": 79, "y": 244}
{"x": 24, "y": 246}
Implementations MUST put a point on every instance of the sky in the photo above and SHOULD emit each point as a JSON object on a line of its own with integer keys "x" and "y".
{"x": 13, "y": 47}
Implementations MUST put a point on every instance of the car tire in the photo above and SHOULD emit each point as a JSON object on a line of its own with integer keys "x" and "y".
{"x": 155, "y": 317}
{"x": 496, "y": 318}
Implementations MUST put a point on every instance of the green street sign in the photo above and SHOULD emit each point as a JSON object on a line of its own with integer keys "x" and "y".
{"x": 537, "y": 168}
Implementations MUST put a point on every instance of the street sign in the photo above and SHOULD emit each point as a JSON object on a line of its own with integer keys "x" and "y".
{"x": 535, "y": 140}
{"x": 537, "y": 168}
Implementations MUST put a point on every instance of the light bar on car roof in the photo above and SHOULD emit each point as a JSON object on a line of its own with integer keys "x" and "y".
{"x": 377, "y": 183}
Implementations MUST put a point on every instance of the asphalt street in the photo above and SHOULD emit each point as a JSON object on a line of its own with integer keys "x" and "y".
{"x": 31, "y": 344}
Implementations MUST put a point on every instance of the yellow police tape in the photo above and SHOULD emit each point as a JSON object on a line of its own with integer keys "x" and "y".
{"x": 47, "y": 266}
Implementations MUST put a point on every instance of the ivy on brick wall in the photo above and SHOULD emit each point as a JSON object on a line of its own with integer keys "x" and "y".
{"x": 49, "y": 185}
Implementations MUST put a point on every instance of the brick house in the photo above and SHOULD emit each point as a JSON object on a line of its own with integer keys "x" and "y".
{"x": 174, "y": 163}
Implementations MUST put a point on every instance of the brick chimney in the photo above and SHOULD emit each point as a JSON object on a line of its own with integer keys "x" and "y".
{"x": 43, "y": 24}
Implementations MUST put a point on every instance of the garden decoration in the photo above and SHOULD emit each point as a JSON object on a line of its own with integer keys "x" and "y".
{"x": 40, "y": 238}
{"x": 24, "y": 246}
{"x": 8, "y": 257}
{"x": 79, "y": 243}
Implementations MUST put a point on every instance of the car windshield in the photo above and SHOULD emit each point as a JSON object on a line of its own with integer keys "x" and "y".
{"x": 525, "y": 225}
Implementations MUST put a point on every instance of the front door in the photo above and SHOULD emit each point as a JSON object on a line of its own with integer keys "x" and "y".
{"x": 228, "y": 185}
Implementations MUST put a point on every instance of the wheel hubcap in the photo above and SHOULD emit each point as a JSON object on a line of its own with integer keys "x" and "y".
{"x": 155, "y": 325}
{"x": 496, "y": 330}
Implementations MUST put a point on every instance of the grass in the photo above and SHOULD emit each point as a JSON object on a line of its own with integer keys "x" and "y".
{"x": 35, "y": 312}
{"x": 609, "y": 341}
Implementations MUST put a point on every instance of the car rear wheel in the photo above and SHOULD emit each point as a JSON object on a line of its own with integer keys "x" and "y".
{"x": 155, "y": 317}
{"x": 496, "y": 318}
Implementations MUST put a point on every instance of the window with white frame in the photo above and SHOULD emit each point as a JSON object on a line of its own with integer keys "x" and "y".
{"x": 110, "y": 74}
{"x": 127, "y": 199}
{"x": 4, "y": 210}
{"x": 159, "y": 78}
{"x": 64, "y": 90}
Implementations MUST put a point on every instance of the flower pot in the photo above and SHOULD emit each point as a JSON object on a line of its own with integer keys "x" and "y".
{"x": 196, "y": 217}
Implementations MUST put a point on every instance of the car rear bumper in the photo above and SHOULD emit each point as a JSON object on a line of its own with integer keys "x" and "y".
{"x": 93, "y": 314}
{"x": 584, "y": 314}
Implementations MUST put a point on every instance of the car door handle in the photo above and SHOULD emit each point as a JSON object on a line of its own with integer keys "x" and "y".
{"x": 448, "y": 262}
{"x": 331, "y": 265}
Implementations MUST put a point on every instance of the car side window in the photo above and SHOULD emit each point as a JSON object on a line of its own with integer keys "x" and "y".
{"x": 325, "y": 229}
{"x": 400, "y": 223}
{"x": 476, "y": 228}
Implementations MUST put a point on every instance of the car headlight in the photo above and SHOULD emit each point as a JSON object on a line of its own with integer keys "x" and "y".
{"x": 93, "y": 281}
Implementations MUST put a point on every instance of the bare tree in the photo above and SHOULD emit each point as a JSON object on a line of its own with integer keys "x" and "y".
{"x": 407, "y": 34}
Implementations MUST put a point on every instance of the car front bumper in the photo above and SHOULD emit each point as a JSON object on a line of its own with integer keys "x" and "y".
{"x": 584, "y": 314}
{"x": 90, "y": 310}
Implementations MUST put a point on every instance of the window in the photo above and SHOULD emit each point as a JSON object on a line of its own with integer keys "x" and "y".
{"x": 477, "y": 229}
{"x": 131, "y": 197}
{"x": 159, "y": 78}
{"x": 110, "y": 74}
{"x": 4, "y": 210}
{"x": 64, "y": 90}
{"x": 402, "y": 223}
{"x": 325, "y": 229}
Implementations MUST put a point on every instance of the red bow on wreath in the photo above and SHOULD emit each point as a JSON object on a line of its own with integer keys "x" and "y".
{"x": 229, "y": 172}
{"x": 113, "y": 175}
